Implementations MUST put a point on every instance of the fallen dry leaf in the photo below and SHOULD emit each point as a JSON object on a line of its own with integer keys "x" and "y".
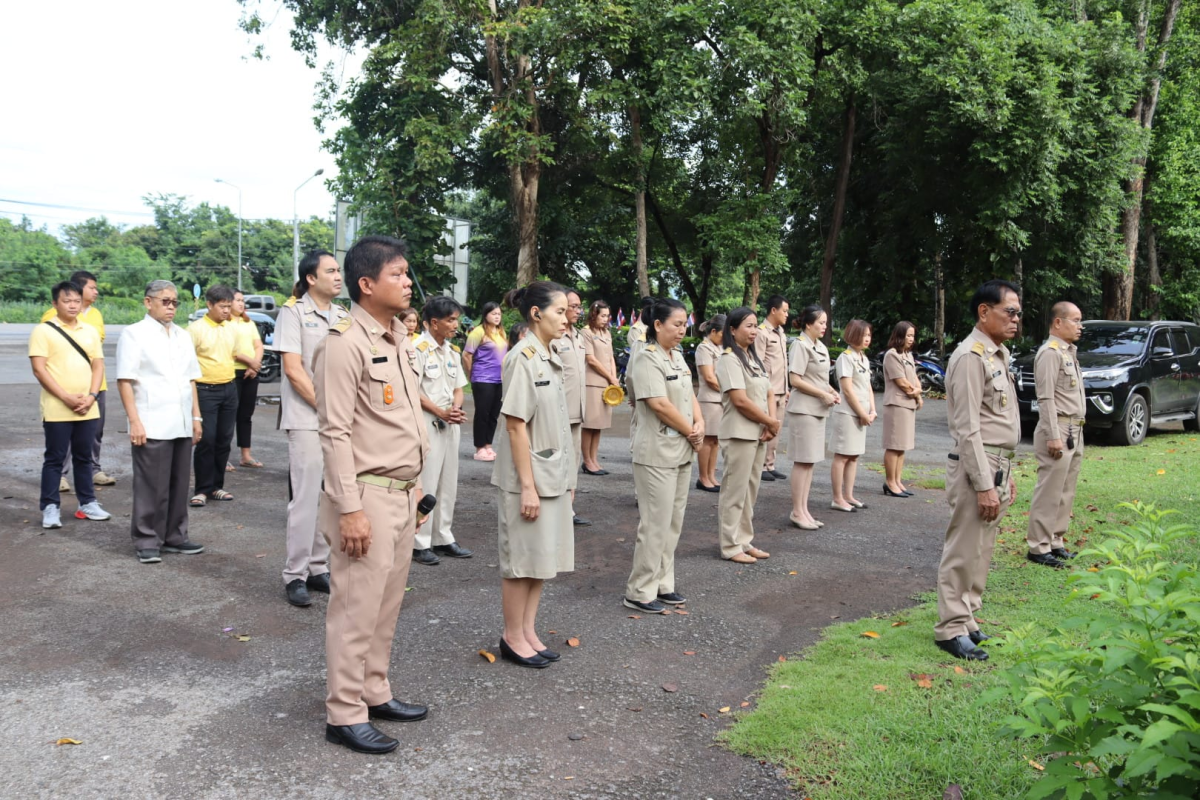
{"x": 879, "y": 687}
{"x": 724, "y": 709}
{"x": 573, "y": 642}
{"x": 668, "y": 611}
{"x": 745, "y": 704}
{"x": 681, "y": 611}
{"x": 1093, "y": 597}
{"x": 925, "y": 683}
{"x": 568, "y": 777}
{"x": 552, "y": 632}
{"x": 635, "y": 616}
{"x": 899, "y": 624}
{"x": 64, "y": 740}
{"x": 1093, "y": 569}
{"x": 1161, "y": 472}
{"x": 241, "y": 637}
{"x": 870, "y": 634}
{"x": 621, "y": 539}
{"x": 1091, "y": 507}
{"x": 704, "y": 715}
{"x": 959, "y": 671}
{"x": 689, "y": 652}
{"x": 670, "y": 687}
{"x": 635, "y": 708}
{"x": 793, "y": 572}
{"x": 1036, "y": 765}
{"x": 782, "y": 658}
{"x": 259, "y": 555}
{"x": 491, "y": 659}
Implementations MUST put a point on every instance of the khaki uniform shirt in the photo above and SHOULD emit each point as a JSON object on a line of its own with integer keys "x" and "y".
{"x": 981, "y": 404}
{"x": 533, "y": 391}
{"x": 369, "y": 406}
{"x": 858, "y": 369}
{"x": 732, "y": 374}
{"x": 707, "y": 354}
{"x": 1059, "y": 383}
{"x": 574, "y": 359}
{"x": 809, "y": 360}
{"x": 599, "y": 347}
{"x": 440, "y": 368}
{"x": 899, "y": 365}
{"x": 771, "y": 346}
{"x": 660, "y": 374}
{"x": 301, "y": 326}
{"x": 637, "y": 343}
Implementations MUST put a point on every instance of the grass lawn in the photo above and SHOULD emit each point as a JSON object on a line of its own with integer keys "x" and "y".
{"x": 892, "y": 717}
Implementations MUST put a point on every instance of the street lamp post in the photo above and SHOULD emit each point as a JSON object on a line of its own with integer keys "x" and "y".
{"x": 296, "y": 228}
{"x": 239, "y": 261}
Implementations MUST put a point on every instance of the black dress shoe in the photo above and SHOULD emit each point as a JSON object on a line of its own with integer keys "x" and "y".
{"x": 1046, "y": 560}
{"x": 780, "y": 476}
{"x": 362, "y": 738}
{"x": 549, "y": 655}
{"x": 582, "y": 522}
{"x": 1061, "y": 553}
{"x": 508, "y": 654}
{"x": 594, "y": 472}
{"x": 907, "y": 493}
{"x": 396, "y": 711}
{"x": 887, "y": 491}
{"x": 978, "y": 636}
{"x": 704, "y": 488}
{"x": 766, "y": 476}
{"x": 318, "y": 583}
{"x": 453, "y": 550}
{"x": 672, "y": 598}
{"x": 297, "y": 593}
{"x": 426, "y": 557}
{"x": 962, "y": 647}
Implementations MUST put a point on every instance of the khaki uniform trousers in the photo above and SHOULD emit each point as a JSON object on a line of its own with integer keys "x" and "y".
{"x": 364, "y": 603}
{"x": 967, "y": 552}
{"x": 780, "y": 412}
{"x": 307, "y": 550}
{"x": 739, "y": 492}
{"x": 1054, "y": 495}
{"x": 663, "y": 492}
{"x": 440, "y": 479}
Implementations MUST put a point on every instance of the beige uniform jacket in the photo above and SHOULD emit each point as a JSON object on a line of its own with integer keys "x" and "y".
{"x": 1059, "y": 384}
{"x": 707, "y": 354}
{"x": 533, "y": 391}
{"x": 809, "y": 360}
{"x": 301, "y": 326}
{"x": 771, "y": 346}
{"x": 598, "y": 346}
{"x": 369, "y": 406}
{"x": 574, "y": 360}
{"x": 732, "y": 374}
{"x": 981, "y": 403}
{"x": 858, "y": 369}
{"x": 440, "y": 368}
{"x": 899, "y": 365}
{"x": 666, "y": 375}
{"x": 637, "y": 342}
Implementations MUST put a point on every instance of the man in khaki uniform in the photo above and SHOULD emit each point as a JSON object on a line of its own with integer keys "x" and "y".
{"x": 1058, "y": 440}
{"x": 985, "y": 424}
{"x": 374, "y": 443}
{"x": 304, "y": 322}
{"x": 570, "y": 351}
{"x": 771, "y": 346}
{"x": 439, "y": 364}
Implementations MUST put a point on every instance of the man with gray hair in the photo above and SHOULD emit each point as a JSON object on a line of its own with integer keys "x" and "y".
{"x": 156, "y": 377}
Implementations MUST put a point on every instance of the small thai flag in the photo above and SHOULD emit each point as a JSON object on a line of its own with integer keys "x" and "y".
{"x": 691, "y": 320}
{"x": 633, "y": 320}
{"x": 620, "y": 318}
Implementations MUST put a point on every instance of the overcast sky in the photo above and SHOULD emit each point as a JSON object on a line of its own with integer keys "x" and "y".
{"x": 107, "y": 102}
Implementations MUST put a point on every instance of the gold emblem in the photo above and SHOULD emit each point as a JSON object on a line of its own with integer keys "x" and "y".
{"x": 374, "y": 350}
{"x": 1003, "y": 399}
{"x": 1072, "y": 382}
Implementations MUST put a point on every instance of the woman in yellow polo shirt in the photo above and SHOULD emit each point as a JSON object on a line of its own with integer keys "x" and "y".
{"x": 247, "y": 362}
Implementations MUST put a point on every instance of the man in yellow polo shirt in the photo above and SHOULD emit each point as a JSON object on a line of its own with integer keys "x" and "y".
{"x": 69, "y": 364}
{"x": 89, "y": 314}
{"x": 214, "y": 340}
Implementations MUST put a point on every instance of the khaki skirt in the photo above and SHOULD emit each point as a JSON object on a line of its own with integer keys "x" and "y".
{"x": 539, "y": 549}
{"x": 848, "y": 438}
{"x": 597, "y": 415}
{"x": 711, "y": 412}
{"x": 899, "y": 428}
{"x": 806, "y": 438}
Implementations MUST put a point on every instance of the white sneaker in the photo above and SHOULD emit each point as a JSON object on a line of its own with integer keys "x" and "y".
{"x": 50, "y": 517}
{"x": 92, "y": 511}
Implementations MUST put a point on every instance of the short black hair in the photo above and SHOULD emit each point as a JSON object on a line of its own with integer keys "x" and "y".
{"x": 661, "y": 311}
{"x": 991, "y": 293}
{"x": 367, "y": 257}
{"x": 810, "y": 314}
{"x": 70, "y": 287}
{"x": 81, "y": 277}
{"x": 218, "y": 294}
{"x": 308, "y": 266}
{"x": 775, "y": 301}
{"x": 440, "y": 306}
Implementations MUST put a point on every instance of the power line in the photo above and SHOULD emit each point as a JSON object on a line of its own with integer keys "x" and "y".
{"x": 78, "y": 208}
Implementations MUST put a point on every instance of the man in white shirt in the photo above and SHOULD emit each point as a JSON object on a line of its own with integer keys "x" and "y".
{"x": 156, "y": 376}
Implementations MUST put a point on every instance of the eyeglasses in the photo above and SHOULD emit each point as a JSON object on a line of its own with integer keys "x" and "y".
{"x": 1013, "y": 313}
{"x": 167, "y": 302}
{"x": 575, "y": 307}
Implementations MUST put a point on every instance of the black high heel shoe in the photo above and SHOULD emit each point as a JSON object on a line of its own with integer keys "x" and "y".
{"x": 587, "y": 471}
{"x": 704, "y": 488}
{"x": 887, "y": 491}
{"x": 508, "y": 654}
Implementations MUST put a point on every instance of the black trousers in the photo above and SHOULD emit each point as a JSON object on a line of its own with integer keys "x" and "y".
{"x": 487, "y": 411}
{"x": 247, "y": 392}
{"x": 79, "y": 437}
{"x": 218, "y": 407}
{"x": 161, "y": 471}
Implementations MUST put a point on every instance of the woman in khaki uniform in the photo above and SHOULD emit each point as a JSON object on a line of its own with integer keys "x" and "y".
{"x": 853, "y": 415}
{"x": 808, "y": 374}
{"x": 901, "y": 401}
{"x": 534, "y": 461}
{"x": 601, "y": 373}
{"x": 669, "y": 432}
{"x": 707, "y": 354}
{"x": 746, "y": 426}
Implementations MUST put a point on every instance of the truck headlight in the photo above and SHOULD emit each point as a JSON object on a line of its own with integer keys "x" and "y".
{"x": 1106, "y": 374}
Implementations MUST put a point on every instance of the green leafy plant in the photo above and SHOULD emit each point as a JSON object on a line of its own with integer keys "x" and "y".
{"x": 1112, "y": 695}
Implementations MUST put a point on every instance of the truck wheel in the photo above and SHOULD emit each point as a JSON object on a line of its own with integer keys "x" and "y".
{"x": 1132, "y": 428}
{"x": 1193, "y": 424}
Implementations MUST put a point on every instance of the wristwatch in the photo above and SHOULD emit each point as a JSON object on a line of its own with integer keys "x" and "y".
{"x": 94, "y": 395}
{"x": 198, "y": 419}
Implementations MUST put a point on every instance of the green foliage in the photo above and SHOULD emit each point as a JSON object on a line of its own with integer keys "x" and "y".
{"x": 1112, "y": 695}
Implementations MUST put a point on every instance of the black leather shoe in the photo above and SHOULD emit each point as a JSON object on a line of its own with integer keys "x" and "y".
{"x": 582, "y": 522}
{"x": 887, "y": 491}
{"x": 978, "y": 636}
{"x": 1061, "y": 553}
{"x": 426, "y": 557}
{"x": 362, "y": 738}
{"x": 594, "y": 472}
{"x": 780, "y": 476}
{"x": 297, "y": 593}
{"x": 396, "y": 711}
{"x": 1045, "y": 559}
{"x": 508, "y": 654}
{"x": 549, "y": 655}
{"x": 672, "y": 598}
{"x": 962, "y": 647}
{"x": 907, "y": 493}
{"x": 453, "y": 550}
{"x": 766, "y": 476}
{"x": 704, "y": 488}
{"x": 318, "y": 583}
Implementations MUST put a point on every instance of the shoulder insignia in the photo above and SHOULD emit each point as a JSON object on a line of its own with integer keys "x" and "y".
{"x": 456, "y": 348}
{"x": 650, "y": 348}
{"x": 1053, "y": 345}
{"x": 291, "y": 301}
{"x": 978, "y": 348}
{"x": 641, "y": 336}
{"x": 529, "y": 352}
{"x": 342, "y": 325}
{"x": 423, "y": 346}
{"x": 762, "y": 326}
{"x": 727, "y": 350}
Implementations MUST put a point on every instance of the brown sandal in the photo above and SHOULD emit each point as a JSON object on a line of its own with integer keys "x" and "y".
{"x": 743, "y": 558}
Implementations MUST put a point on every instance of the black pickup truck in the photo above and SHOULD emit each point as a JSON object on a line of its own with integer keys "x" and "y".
{"x": 1135, "y": 374}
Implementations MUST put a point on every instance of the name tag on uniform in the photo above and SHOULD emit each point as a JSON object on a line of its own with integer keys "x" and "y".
{"x": 541, "y": 383}
{"x": 672, "y": 377}
{"x": 379, "y": 360}
{"x": 310, "y": 325}
{"x": 997, "y": 373}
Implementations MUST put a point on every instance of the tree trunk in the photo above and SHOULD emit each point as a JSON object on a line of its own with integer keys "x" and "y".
{"x": 699, "y": 298}
{"x": 939, "y": 307}
{"x": 1154, "y": 276}
{"x": 639, "y": 200}
{"x": 524, "y": 180}
{"x": 1019, "y": 279}
{"x": 839, "y": 212}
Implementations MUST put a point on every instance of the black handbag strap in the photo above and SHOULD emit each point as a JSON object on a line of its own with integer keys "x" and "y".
{"x": 74, "y": 343}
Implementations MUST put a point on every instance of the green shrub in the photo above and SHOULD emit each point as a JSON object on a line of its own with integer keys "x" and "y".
{"x": 1112, "y": 695}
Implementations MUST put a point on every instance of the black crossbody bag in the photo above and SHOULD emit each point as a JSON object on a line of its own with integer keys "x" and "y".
{"x": 74, "y": 343}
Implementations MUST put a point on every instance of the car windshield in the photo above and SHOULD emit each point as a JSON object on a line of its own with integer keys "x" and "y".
{"x": 1114, "y": 341}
